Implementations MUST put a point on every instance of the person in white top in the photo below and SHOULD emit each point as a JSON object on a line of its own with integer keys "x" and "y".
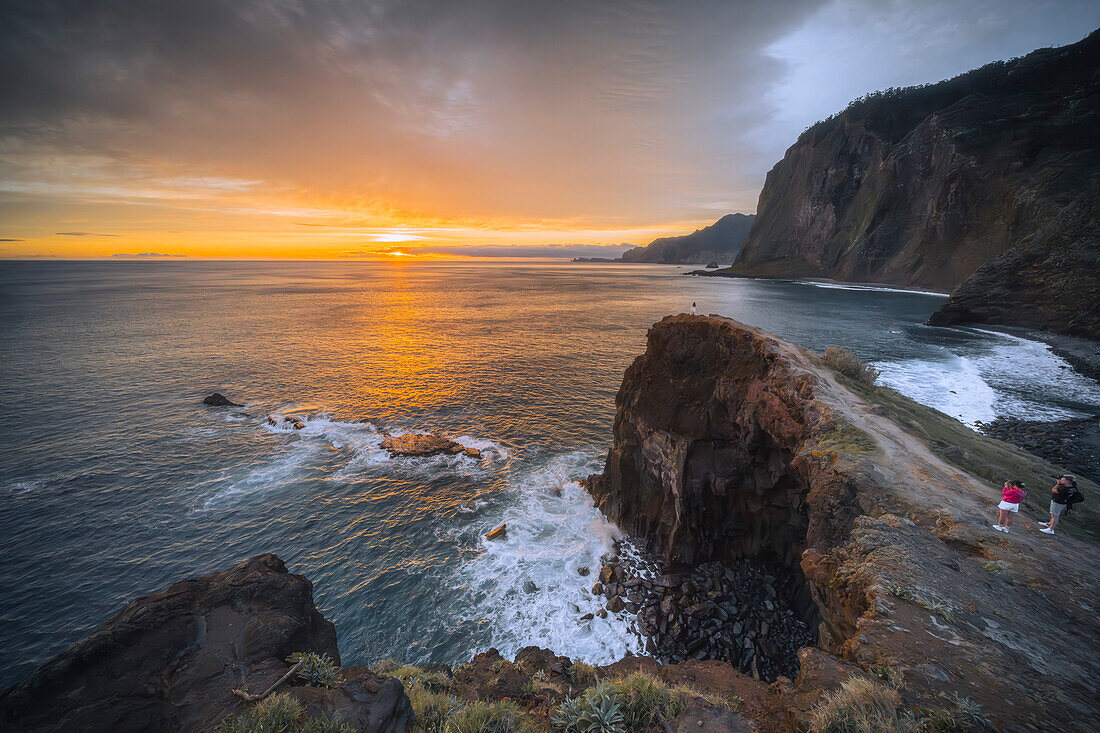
{"x": 693, "y": 308}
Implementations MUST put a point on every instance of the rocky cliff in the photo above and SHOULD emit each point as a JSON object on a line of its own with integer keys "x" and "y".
{"x": 170, "y": 661}
{"x": 985, "y": 183}
{"x": 730, "y": 444}
{"x": 719, "y": 242}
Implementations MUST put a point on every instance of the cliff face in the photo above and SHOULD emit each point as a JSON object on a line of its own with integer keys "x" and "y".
{"x": 923, "y": 186}
{"x": 729, "y": 443}
{"x": 720, "y": 242}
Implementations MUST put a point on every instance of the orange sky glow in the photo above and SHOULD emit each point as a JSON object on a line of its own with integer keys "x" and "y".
{"x": 431, "y": 129}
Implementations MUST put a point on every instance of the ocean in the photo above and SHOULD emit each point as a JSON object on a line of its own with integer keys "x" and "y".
{"x": 115, "y": 479}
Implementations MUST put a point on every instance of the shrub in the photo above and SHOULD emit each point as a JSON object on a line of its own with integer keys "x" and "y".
{"x": 276, "y": 713}
{"x": 850, "y": 365}
{"x": 317, "y": 670}
{"x": 861, "y": 706}
{"x": 486, "y": 717}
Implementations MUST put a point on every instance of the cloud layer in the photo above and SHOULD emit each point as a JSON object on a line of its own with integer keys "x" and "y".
{"x": 233, "y": 121}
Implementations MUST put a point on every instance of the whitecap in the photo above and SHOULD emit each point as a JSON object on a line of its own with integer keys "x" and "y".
{"x": 527, "y": 587}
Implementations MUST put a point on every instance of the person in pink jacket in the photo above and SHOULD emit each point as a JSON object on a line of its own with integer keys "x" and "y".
{"x": 1011, "y": 496}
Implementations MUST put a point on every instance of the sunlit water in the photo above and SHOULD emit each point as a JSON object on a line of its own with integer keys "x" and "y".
{"x": 115, "y": 480}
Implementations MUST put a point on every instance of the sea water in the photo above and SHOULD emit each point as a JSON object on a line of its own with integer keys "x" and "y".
{"x": 115, "y": 480}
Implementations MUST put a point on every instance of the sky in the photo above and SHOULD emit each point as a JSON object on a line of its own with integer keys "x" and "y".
{"x": 440, "y": 128}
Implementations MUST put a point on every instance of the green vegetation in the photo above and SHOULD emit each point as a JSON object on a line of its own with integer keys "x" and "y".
{"x": 964, "y": 716}
{"x": 501, "y": 716}
{"x": 580, "y": 674}
{"x": 637, "y": 702}
{"x": 316, "y": 670}
{"x": 861, "y": 705}
{"x": 850, "y": 365}
{"x": 281, "y": 713}
{"x": 844, "y": 438}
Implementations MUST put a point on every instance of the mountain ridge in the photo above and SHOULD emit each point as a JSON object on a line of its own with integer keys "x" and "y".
{"x": 984, "y": 184}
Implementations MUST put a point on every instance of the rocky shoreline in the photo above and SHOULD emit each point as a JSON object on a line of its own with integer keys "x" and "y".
{"x": 742, "y": 613}
{"x": 1073, "y": 443}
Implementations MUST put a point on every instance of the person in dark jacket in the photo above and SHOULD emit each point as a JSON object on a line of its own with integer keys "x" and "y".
{"x": 1058, "y": 496}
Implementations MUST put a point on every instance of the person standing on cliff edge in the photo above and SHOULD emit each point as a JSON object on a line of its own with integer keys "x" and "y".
{"x": 1058, "y": 496}
{"x": 693, "y": 307}
{"x": 1012, "y": 494}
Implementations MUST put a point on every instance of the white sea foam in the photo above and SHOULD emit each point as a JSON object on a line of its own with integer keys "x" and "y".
{"x": 872, "y": 288}
{"x": 953, "y": 386}
{"x": 286, "y": 465}
{"x": 359, "y": 445}
{"x": 1010, "y": 376}
{"x": 527, "y": 585}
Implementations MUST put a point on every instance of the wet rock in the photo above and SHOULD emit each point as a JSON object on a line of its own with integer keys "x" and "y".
{"x": 597, "y": 589}
{"x": 288, "y": 421}
{"x": 425, "y": 445}
{"x": 616, "y": 604}
{"x": 219, "y": 400}
{"x": 583, "y": 571}
{"x": 499, "y": 533}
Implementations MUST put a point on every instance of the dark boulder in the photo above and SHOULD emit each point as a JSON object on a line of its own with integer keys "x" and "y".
{"x": 219, "y": 400}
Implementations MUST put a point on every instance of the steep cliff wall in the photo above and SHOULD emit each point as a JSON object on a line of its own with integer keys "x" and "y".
{"x": 720, "y": 242}
{"x": 923, "y": 186}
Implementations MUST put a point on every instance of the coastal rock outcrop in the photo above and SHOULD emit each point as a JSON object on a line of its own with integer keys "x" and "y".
{"x": 417, "y": 445}
{"x": 731, "y": 446}
{"x": 986, "y": 182}
{"x": 219, "y": 400}
{"x": 170, "y": 661}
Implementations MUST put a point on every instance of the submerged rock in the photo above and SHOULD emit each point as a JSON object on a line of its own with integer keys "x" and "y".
{"x": 425, "y": 445}
{"x": 219, "y": 400}
{"x": 170, "y": 661}
{"x": 288, "y": 421}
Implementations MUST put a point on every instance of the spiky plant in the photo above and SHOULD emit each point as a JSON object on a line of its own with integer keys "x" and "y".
{"x": 316, "y": 670}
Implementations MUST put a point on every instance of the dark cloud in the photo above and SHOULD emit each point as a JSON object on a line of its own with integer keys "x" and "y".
{"x": 11, "y": 240}
{"x": 83, "y": 234}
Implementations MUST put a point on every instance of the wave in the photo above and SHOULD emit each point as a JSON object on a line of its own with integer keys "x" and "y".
{"x": 354, "y": 446}
{"x": 1009, "y": 376}
{"x": 528, "y": 588}
{"x": 872, "y": 288}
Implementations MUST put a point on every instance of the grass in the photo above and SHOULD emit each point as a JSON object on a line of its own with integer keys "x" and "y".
{"x": 850, "y": 365}
{"x": 989, "y": 459}
{"x": 932, "y": 604}
{"x": 486, "y": 717}
{"x": 636, "y": 702}
{"x": 580, "y": 674}
{"x": 844, "y": 438}
{"x": 861, "y": 705}
{"x": 281, "y": 713}
{"x": 432, "y": 709}
{"x": 964, "y": 716}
